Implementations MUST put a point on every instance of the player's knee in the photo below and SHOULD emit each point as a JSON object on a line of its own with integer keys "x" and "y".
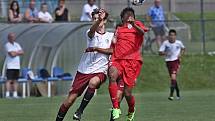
{"x": 94, "y": 83}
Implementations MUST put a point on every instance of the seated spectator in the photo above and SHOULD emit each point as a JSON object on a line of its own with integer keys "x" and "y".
{"x": 14, "y": 13}
{"x": 61, "y": 12}
{"x": 44, "y": 16}
{"x": 87, "y": 10}
{"x": 31, "y": 13}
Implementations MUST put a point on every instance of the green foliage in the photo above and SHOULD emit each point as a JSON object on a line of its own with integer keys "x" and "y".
{"x": 193, "y": 20}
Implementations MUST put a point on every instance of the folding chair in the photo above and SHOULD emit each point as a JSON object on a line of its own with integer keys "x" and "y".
{"x": 2, "y": 82}
{"x": 58, "y": 72}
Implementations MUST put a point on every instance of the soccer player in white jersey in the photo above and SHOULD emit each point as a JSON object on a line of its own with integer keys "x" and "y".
{"x": 93, "y": 66}
{"x": 172, "y": 49}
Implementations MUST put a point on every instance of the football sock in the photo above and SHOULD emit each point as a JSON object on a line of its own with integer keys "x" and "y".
{"x": 113, "y": 94}
{"x": 131, "y": 103}
{"x": 86, "y": 99}
{"x": 177, "y": 90}
{"x": 62, "y": 112}
{"x": 7, "y": 93}
{"x": 15, "y": 94}
{"x": 172, "y": 87}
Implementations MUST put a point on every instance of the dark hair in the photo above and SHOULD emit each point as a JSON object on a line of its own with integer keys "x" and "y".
{"x": 43, "y": 4}
{"x": 172, "y": 31}
{"x": 11, "y": 6}
{"x": 127, "y": 9}
{"x": 96, "y": 11}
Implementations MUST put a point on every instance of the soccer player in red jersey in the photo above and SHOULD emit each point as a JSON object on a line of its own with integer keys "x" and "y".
{"x": 93, "y": 66}
{"x": 126, "y": 61}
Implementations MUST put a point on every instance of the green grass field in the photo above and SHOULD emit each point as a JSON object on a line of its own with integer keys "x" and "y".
{"x": 151, "y": 106}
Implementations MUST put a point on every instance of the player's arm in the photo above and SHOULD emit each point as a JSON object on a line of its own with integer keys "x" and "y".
{"x": 181, "y": 52}
{"x": 12, "y": 53}
{"x": 107, "y": 51}
{"x": 95, "y": 25}
{"x": 161, "y": 51}
{"x": 131, "y": 20}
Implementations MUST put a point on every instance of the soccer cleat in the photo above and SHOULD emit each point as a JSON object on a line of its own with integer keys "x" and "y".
{"x": 178, "y": 98}
{"x": 115, "y": 113}
{"x": 111, "y": 116}
{"x": 130, "y": 116}
{"x": 171, "y": 98}
{"x": 77, "y": 116}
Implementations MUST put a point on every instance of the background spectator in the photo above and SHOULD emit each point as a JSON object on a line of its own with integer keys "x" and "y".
{"x": 14, "y": 51}
{"x": 44, "y": 15}
{"x": 87, "y": 10}
{"x": 31, "y": 13}
{"x": 14, "y": 12}
{"x": 61, "y": 12}
{"x": 156, "y": 19}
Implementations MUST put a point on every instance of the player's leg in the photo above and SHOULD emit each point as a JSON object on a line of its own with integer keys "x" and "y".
{"x": 172, "y": 86}
{"x": 67, "y": 103}
{"x": 15, "y": 87}
{"x": 113, "y": 88}
{"x": 79, "y": 85}
{"x": 131, "y": 103}
{"x": 8, "y": 88}
{"x": 94, "y": 83}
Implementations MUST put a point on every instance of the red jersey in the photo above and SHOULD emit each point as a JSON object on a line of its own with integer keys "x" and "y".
{"x": 129, "y": 42}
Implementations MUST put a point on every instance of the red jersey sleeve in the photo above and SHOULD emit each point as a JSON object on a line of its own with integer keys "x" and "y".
{"x": 141, "y": 25}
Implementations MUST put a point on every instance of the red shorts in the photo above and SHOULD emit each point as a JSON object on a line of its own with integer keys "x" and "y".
{"x": 81, "y": 82}
{"x": 173, "y": 66}
{"x": 128, "y": 70}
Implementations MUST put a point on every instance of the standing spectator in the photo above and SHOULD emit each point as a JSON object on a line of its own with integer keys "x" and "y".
{"x": 31, "y": 13}
{"x": 44, "y": 15}
{"x": 156, "y": 20}
{"x": 14, "y": 12}
{"x": 87, "y": 10}
{"x": 172, "y": 49}
{"x": 14, "y": 51}
{"x": 61, "y": 12}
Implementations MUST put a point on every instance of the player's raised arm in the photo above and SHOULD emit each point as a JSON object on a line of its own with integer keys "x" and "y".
{"x": 98, "y": 17}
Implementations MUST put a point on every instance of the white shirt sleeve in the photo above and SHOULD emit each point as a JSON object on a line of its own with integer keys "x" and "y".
{"x": 162, "y": 47}
{"x": 19, "y": 47}
{"x": 87, "y": 9}
{"x": 182, "y": 45}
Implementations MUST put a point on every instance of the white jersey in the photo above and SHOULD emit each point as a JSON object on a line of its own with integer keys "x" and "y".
{"x": 172, "y": 49}
{"x": 94, "y": 62}
{"x": 87, "y": 9}
{"x": 12, "y": 62}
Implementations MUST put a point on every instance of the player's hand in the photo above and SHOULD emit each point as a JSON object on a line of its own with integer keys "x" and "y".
{"x": 131, "y": 20}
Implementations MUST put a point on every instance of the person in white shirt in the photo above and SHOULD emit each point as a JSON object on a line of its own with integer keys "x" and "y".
{"x": 14, "y": 51}
{"x": 172, "y": 49}
{"x": 87, "y": 10}
{"x": 44, "y": 16}
{"x": 93, "y": 66}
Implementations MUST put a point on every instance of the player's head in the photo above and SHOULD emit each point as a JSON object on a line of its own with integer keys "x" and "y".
{"x": 172, "y": 35}
{"x": 11, "y": 37}
{"x": 96, "y": 12}
{"x": 61, "y": 3}
{"x": 91, "y": 2}
{"x": 126, "y": 13}
{"x": 32, "y": 4}
{"x": 157, "y": 3}
{"x": 44, "y": 7}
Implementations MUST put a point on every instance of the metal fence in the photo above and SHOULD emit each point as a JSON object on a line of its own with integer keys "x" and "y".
{"x": 190, "y": 18}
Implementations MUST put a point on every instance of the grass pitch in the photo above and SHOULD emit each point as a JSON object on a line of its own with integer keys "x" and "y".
{"x": 151, "y": 106}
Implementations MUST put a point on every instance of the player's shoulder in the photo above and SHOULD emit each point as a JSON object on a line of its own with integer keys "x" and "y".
{"x": 178, "y": 41}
